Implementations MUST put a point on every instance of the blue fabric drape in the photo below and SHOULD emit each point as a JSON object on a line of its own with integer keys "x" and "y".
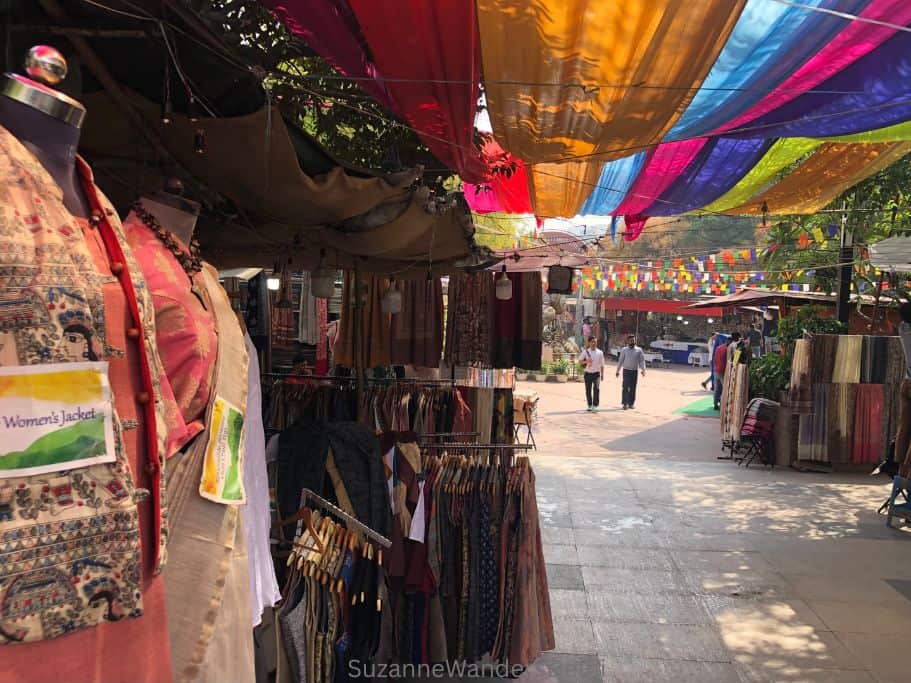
{"x": 770, "y": 41}
{"x": 613, "y": 184}
{"x": 716, "y": 169}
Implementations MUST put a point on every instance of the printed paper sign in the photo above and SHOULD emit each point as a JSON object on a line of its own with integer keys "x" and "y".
{"x": 55, "y": 417}
{"x": 222, "y": 471}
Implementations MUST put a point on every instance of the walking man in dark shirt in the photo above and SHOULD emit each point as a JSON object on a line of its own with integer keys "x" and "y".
{"x": 630, "y": 360}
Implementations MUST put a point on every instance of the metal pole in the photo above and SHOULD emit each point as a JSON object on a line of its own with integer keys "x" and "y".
{"x": 846, "y": 263}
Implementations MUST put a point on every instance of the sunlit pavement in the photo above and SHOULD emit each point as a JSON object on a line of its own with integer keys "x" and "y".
{"x": 666, "y": 564}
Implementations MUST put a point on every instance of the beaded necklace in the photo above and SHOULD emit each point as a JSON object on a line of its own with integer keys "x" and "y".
{"x": 191, "y": 262}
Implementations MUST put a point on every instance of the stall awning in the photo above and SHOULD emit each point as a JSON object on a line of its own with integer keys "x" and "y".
{"x": 749, "y": 296}
{"x": 892, "y": 254}
{"x": 670, "y": 307}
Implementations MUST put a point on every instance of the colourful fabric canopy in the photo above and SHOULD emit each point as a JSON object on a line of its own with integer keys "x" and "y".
{"x": 427, "y": 52}
{"x": 828, "y": 172}
{"x": 857, "y": 39}
{"x": 715, "y": 170}
{"x": 769, "y": 41}
{"x": 638, "y": 108}
{"x": 570, "y": 78}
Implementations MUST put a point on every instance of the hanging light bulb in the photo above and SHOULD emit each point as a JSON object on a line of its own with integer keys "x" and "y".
{"x": 273, "y": 283}
{"x": 711, "y": 320}
{"x": 322, "y": 280}
{"x": 679, "y": 317}
{"x": 392, "y": 299}
{"x": 199, "y": 141}
{"x": 504, "y": 286}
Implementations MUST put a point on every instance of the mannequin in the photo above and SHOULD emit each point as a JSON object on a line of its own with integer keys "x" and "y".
{"x": 175, "y": 213}
{"x": 46, "y": 122}
{"x": 84, "y": 301}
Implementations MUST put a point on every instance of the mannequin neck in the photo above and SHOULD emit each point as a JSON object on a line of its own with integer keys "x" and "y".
{"x": 172, "y": 219}
{"x": 54, "y": 143}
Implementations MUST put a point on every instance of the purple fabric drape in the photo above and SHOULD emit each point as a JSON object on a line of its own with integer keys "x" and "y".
{"x": 876, "y": 95}
{"x": 716, "y": 169}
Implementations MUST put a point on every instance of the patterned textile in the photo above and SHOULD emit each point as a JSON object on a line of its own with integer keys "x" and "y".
{"x": 868, "y": 420}
{"x": 875, "y": 360}
{"x": 417, "y": 332}
{"x": 79, "y": 289}
{"x": 308, "y": 325}
{"x": 185, "y": 331}
{"x": 840, "y": 422}
{"x": 469, "y": 324}
{"x": 363, "y": 336}
{"x": 847, "y": 359}
{"x": 735, "y": 397}
{"x": 822, "y": 359}
{"x": 813, "y": 435}
{"x": 801, "y": 396}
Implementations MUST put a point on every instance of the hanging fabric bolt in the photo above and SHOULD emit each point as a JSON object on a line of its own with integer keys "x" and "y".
{"x": 392, "y": 299}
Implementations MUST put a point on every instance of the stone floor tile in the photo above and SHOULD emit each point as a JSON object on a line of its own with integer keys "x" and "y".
{"x": 721, "y": 561}
{"x": 560, "y": 554}
{"x": 647, "y": 608}
{"x": 625, "y": 558}
{"x": 635, "y": 670}
{"x": 886, "y": 657}
{"x": 637, "y": 533}
{"x": 764, "y": 642}
{"x": 553, "y": 667}
{"x": 568, "y": 604}
{"x": 776, "y": 671}
{"x": 574, "y": 636}
{"x": 865, "y": 617}
{"x": 855, "y": 589}
{"x": 611, "y": 521}
{"x": 785, "y": 612}
{"x": 564, "y": 576}
{"x": 660, "y": 641}
{"x": 650, "y": 581}
{"x": 558, "y": 535}
{"x": 742, "y": 584}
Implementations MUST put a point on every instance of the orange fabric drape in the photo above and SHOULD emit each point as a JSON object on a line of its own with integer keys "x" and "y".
{"x": 573, "y": 78}
{"x": 829, "y": 171}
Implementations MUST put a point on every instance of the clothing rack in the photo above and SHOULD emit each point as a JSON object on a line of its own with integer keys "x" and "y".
{"x": 353, "y": 379}
{"x": 481, "y": 446}
{"x": 307, "y": 494}
{"x": 441, "y": 435}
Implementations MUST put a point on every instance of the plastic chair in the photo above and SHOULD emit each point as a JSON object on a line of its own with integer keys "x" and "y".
{"x": 757, "y": 432}
{"x": 900, "y": 485}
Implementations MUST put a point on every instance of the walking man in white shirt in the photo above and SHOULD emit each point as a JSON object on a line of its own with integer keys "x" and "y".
{"x": 592, "y": 359}
{"x": 630, "y": 360}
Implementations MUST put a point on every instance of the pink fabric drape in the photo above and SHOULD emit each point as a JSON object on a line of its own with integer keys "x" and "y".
{"x": 856, "y": 40}
{"x": 427, "y": 51}
{"x": 501, "y": 193}
{"x": 662, "y": 167}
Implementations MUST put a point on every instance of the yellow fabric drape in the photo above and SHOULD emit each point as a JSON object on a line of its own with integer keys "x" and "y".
{"x": 829, "y": 171}
{"x": 571, "y": 78}
{"x": 781, "y": 155}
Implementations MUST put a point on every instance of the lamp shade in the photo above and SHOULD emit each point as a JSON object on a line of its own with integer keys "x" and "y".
{"x": 392, "y": 300}
{"x": 322, "y": 283}
{"x": 504, "y": 287}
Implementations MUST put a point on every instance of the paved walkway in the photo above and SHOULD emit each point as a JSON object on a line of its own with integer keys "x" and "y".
{"x": 666, "y": 564}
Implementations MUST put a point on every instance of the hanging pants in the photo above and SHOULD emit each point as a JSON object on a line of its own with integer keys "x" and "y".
{"x": 592, "y": 388}
{"x": 630, "y": 380}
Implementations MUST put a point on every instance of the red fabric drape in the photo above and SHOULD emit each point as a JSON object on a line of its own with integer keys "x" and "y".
{"x": 425, "y": 66}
